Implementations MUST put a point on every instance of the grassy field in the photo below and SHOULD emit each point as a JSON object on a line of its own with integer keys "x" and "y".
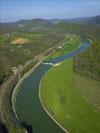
{"x": 62, "y": 99}
{"x": 90, "y": 89}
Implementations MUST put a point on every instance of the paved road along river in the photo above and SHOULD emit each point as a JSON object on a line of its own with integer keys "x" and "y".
{"x": 28, "y": 105}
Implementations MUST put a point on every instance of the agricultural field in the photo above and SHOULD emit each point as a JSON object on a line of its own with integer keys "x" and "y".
{"x": 62, "y": 98}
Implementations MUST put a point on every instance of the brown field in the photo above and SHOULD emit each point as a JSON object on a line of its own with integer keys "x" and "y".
{"x": 21, "y": 41}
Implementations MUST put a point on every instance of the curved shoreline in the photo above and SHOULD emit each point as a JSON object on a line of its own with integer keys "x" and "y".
{"x": 40, "y": 98}
{"x": 16, "y": 90}
{"x": 51, "y": 116}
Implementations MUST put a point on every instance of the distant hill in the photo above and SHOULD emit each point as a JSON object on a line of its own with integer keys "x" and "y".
{"x": 35, "y": 23}
{"x": 28, "y": 25}
{"x": 94, "y": 20}
{"x": 80, "y": 20}
{"x": 42, "y": 24}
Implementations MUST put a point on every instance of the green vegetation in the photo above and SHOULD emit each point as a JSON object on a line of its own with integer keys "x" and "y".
{"x": 12, "y": 124}
{"x": 90, "y": 89}
{"x": 62, "y": 99}
{"x": 87, "y": 63}
{"x": 13, "y": 55}
{"x": 73, "y": 42}
{"x": 82, "y": 29}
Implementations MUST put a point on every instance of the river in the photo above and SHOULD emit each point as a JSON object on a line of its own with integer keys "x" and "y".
{"x": 28, "y": 106}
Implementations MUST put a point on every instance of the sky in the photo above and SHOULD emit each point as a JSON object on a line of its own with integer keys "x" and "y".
{"x": 14, "y": 10}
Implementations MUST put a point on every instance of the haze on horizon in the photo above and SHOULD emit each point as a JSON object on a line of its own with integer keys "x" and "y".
{"x": 14, "y": 10}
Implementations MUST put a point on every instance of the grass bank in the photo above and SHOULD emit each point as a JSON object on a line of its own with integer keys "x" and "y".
{"x": 67, "y": 105}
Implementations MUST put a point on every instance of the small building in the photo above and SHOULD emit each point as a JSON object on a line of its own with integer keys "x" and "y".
{"x": 60, "y": 47}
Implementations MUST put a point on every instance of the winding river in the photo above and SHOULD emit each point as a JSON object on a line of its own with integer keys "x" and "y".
{"x": 28, "y": 106}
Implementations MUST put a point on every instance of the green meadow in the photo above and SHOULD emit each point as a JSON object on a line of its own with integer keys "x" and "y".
{"x": 62, "y": 98}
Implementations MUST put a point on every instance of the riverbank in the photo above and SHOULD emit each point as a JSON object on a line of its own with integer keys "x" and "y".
{"x": 66, "y": 131}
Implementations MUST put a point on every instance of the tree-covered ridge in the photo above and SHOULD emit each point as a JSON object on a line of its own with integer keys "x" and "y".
{"x": 88, "y": 63}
